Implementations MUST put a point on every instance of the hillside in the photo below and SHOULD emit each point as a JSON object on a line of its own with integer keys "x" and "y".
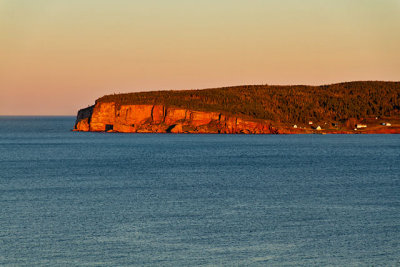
{"x": 283, "y": 104}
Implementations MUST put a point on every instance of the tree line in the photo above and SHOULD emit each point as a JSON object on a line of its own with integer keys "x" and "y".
{"x": 294, "y": 104}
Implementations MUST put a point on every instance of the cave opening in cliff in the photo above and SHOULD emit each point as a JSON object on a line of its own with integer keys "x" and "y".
{"x": 109, "y": 127}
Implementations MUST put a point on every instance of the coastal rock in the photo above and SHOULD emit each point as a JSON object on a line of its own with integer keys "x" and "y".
{"x": 83, "y": 119}
{"x": 103, "y": 117}
{"x": 144, "y": 118}
{"x": 158, "y": 114}
{"x": 174, "y": 115}
{"x": 176, "y": 128}
{"x": 198, "y": 118}
{"x": 109, "y": 117}
{"x": 83, "y": 125}
{"x": 133, "y": 114}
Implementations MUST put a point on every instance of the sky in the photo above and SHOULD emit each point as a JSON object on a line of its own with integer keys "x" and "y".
{"x": 57, "y": 56}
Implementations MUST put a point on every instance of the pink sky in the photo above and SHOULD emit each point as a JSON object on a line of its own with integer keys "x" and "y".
{"x": 58, "y": 56}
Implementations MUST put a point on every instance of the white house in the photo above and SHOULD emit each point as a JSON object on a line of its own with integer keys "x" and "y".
{"x": 359, "y": 126}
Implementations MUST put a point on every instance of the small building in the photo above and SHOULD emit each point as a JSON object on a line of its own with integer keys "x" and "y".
{"x": 310, "y": 122}
{"x": 318, "y": 128}
{"x": 359, "y": 126}
{"x": 388, "y": 124}
{"x": 295, "y": 126}
{"x": 383, "y": 123}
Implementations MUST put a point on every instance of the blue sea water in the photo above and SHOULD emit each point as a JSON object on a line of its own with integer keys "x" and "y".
{"x": 71, "y": 198}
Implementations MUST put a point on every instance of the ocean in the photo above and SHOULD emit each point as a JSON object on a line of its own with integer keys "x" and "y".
{"x": 108, "y": 199}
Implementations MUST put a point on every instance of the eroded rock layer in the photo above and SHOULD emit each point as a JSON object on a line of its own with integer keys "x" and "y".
{"x": 109, "y": 117}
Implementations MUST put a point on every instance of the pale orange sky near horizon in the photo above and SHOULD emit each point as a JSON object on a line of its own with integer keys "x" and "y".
{"x": 58, "y": 56}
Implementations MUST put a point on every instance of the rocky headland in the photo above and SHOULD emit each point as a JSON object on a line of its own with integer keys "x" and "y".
{"x": 247, "y": 110}
{"x": 109, "y": 117}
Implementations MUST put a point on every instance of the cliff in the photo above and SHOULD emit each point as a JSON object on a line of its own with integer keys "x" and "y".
{"x": 109, "y": 117}
{"x": 255, "y": 109}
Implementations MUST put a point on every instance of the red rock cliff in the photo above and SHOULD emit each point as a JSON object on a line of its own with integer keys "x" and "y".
{"x": 104, "y": 117}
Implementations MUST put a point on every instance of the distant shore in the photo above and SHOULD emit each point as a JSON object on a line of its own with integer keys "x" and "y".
{"x": 345, "y": 108}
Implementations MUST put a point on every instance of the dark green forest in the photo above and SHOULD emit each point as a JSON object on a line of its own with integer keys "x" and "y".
{"x": 287, "y": 104}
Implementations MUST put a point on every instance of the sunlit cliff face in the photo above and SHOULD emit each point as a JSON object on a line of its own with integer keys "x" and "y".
{"x": 109, "y": 117}
{"x": 105, "y": 117}
{"x": 57, "y": 56}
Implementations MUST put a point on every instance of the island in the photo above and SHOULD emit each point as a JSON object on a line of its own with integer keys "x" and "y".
{"x": 351, "y": 107}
